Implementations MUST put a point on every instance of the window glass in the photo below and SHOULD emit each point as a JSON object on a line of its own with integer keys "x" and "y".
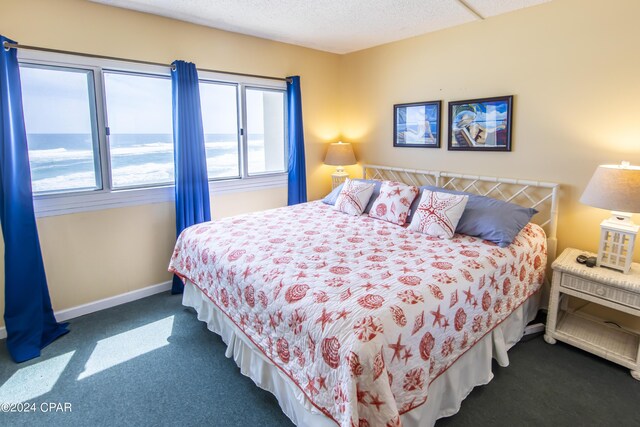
{"x": 265, "y": 131}
{"x": 141, "y": 130}
{"x": 94, "y": 128}
{"x": 219, "y": 104}
{"x": 60, "y": 120}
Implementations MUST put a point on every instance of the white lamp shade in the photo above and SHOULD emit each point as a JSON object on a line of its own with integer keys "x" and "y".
{"x": 340, "y": 154}
{"x": 614, "y": 187}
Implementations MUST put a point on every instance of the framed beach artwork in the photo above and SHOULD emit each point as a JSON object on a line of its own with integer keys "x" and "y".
{"x": 417, "y": 124}
{"x": 481, "y": 124}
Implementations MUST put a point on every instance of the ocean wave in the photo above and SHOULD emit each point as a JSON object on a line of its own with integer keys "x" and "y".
{"x": 57, "y": 154}
{"x": 132, "y": 166}
{"x": 60, "y": 154}
{"x": 142, "y": 174}
{"x": 142, "y": 149}
{"x": 72, "y": 181}
{"x": 138, "y": 175}
{"x": 223, "y": 160}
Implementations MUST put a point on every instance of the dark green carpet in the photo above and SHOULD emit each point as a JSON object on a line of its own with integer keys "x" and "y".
{"x": 114, "y": 368}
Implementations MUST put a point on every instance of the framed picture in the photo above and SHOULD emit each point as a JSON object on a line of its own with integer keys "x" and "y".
{"x": 481, "y": 124}
{"x": 417, "y": 124}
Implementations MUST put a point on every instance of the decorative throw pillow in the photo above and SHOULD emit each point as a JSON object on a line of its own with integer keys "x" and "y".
{"x": 393, "y": 202}
{"x": 330, "y": 199}
{"x": 353, "y": 197}
{"x": 488, "y": 218}
{"x": 438, "y": 214}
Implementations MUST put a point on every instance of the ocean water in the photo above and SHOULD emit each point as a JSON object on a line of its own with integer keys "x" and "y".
{"x": 67, "y": 161}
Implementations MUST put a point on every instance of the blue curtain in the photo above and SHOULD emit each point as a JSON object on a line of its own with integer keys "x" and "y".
{"x": 297, "y": 174}
{"x": 28, "y": 315}
{"x": 192, "y": 184}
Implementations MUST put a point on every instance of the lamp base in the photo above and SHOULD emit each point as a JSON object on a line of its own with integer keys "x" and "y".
{"x": 617, "y": 238}
{"x": 338, "y": 177}
{"x": 621, "y": 221}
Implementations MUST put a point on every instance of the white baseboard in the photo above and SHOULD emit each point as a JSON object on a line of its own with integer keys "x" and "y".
{"x": 92, "y": 307}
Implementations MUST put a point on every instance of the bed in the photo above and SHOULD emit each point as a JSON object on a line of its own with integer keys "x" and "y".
{"x": 350, "y": 320}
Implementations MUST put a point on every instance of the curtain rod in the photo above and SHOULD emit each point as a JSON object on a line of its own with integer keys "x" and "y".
{"x": 8, "y": 46}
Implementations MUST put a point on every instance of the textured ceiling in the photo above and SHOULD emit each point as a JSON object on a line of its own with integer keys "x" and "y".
{"x": 338, "y": 26}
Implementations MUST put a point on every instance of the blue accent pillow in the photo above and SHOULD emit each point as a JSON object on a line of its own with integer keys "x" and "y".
{"x": 487, "y": 218}
{"x": 330, "y": 199}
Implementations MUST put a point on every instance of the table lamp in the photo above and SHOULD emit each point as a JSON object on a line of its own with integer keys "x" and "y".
{"x": 616, "y": 188}
{"x": 339, "y": 154}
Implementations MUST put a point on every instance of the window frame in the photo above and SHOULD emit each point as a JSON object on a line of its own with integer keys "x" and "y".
{"x": 72, "y": 201}
{"x": 243, "y": 84}
{"x": 105, "y": 115}
{"x": 239, "y": 127}
{"x": 285, "y": 131}
{"x": 97, "y": 118}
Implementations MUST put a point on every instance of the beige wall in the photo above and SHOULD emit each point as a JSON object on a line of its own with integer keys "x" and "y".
{"x": 94, "y": 255}
{"x": 573, "y": 68}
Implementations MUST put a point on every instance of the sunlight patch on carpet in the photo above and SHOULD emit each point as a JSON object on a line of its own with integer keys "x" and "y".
{"x": 35, "y": 380}
{"x": 128, "y": 345}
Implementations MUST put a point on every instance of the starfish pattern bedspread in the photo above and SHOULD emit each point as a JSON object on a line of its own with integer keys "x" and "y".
{"x": 361, "y": 314}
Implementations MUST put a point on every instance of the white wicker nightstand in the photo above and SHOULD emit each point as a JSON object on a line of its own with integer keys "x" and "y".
{"x": 600, "y": 286}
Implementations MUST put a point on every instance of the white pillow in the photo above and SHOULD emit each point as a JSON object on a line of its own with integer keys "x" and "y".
{"x": 394, "y": 202}
{"x": 438, "y": 213}
{"x": 354, "y": 197}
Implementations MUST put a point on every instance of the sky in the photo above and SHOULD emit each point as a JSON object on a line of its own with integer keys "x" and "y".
{"x": 417, "y": 114}
{"x": 55, "y": 101}
{"x": 58, "y": 101}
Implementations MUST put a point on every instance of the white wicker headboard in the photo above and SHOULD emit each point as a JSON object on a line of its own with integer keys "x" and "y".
{"x": 543, "y": 196}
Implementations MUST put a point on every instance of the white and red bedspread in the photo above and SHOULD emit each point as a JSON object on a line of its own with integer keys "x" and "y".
{"x": 361, "y": 314}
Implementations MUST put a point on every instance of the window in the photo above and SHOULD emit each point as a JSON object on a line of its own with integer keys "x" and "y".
{"x": 265, "y": 131}
{"x": 60, "y": 119}
{"x": 140, "y": 120}
{"x": 100, "y": 131}
{"x": 219, "y": 103}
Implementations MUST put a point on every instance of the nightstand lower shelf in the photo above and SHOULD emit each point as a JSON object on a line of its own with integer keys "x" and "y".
{"x": 609, "y": 342}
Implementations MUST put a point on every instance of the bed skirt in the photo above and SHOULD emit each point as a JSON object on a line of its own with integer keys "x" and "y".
{"x": 446, "y": 392}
